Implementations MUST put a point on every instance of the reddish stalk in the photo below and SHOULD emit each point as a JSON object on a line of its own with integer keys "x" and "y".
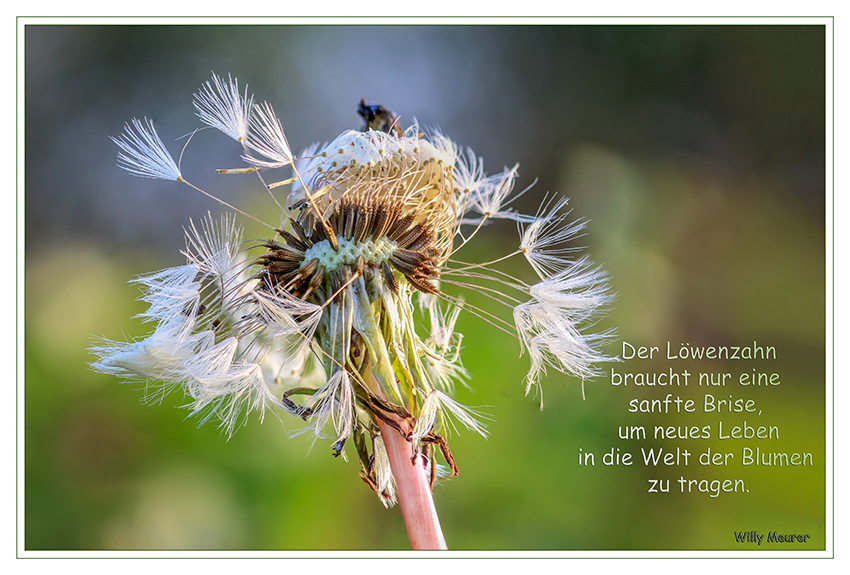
{"x": 413, "y": 489}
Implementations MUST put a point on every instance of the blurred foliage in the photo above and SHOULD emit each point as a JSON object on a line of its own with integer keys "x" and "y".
{"x": 696, "y": 152}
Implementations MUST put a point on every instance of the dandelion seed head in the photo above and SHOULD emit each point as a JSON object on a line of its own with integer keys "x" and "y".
{"x": 341, "y": 316}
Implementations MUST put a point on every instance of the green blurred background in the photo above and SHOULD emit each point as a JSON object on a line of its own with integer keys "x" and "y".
{"x": 697, "y": 152}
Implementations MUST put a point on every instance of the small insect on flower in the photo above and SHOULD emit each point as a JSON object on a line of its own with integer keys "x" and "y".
{"x": 339, "y": 316}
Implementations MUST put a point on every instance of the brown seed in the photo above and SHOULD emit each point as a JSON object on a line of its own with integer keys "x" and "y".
{"x": 389, "y": 277}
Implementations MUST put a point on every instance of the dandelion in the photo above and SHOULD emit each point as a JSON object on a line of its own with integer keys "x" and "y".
{"x": 340, "y": 317}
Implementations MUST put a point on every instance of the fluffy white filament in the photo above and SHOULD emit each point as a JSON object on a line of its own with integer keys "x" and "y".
{"x": 223, "y": 374}
{"x": 143, "y": 153}
{"x": 549, "y": 323}
{"x": 438, "y": 405}
{"x": 268, "y": 139}
{"x": 221, "y": 106}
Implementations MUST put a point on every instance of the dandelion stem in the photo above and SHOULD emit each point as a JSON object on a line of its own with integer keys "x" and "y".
{"x": 413, "y": 489}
